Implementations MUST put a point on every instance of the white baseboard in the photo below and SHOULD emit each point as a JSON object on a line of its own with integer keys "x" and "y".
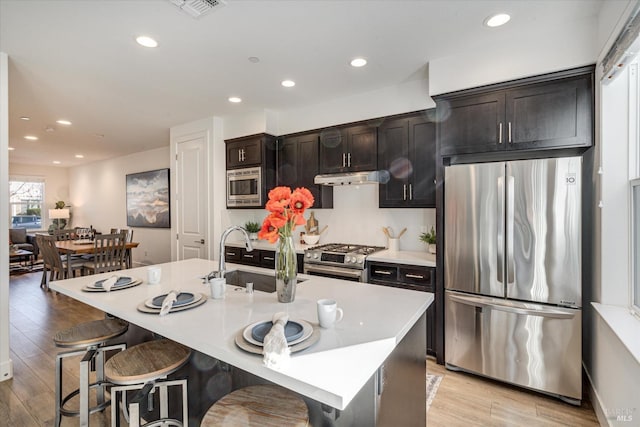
{"x": 6, "y": 370}
{"x": 596, "y": 403}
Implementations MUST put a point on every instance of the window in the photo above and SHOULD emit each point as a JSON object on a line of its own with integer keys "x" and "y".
{"x": 634, "y": 181}
{"x": 635, "y": 245}
{"x": 26, "y": 200}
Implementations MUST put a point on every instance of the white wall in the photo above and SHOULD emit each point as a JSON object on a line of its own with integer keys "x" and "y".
{"x": 356, "y": 218}
{"x": 56, "y": 185}
{"x": 97, "y": 193}
{"x": 613, "y": 371}
{"x": 502, "y": 62}
{"x": 6, "y": 365}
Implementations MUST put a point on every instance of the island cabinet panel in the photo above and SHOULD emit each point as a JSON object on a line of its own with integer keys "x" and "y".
{"x": 414, "y": 277}
{"x": 406, "y": 149}
{"x": 298, "y": 164}
{"x": 348, "y": 149}
{"x": 539, "y": 113}
{"x": 232, "y": 254}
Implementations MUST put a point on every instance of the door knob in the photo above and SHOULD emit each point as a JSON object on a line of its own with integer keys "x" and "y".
{"x": 201, "y": 241}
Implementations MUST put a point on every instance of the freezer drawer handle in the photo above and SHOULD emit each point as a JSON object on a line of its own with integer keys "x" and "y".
{"x": 546, "y": 312}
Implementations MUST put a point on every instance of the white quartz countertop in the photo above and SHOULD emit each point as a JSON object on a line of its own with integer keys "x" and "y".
{"x": 332, "y": 371}
{"x": 404, "y": 257}
{"x": 397, "y": 257}
{"x": 263, "y": 244}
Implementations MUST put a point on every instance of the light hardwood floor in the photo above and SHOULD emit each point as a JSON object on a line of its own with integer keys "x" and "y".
{"x": 28, "y": 398}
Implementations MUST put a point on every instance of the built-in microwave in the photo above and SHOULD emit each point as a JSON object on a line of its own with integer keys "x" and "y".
{"x": 244, "y": 188}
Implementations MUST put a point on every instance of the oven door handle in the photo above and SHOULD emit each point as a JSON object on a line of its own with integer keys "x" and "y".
{"x": 337, "y": 271}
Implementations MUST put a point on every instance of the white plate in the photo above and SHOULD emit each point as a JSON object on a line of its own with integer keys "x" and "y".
{"x": 307, "y": 330}
{"x": 196, "y": 297}
{"x": 134, "y": 282}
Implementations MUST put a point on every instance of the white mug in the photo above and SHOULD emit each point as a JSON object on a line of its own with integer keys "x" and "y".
{"x": 394, "y": 245}
{"x": 154, "y": 274}
{"x": 329, "y": 313}
{"x": 218, "y": 287}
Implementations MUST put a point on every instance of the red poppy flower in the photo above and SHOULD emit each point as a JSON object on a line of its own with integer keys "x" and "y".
{"x": 301, "y": 199}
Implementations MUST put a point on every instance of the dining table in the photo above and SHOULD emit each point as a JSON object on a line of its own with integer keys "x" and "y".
{"x": 368, "y": 369}
{"x": 74, "y": 247}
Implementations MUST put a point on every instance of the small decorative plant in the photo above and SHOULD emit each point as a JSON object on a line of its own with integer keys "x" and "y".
{"x": 251, "y": 227}
{"x": 429, "y": 238}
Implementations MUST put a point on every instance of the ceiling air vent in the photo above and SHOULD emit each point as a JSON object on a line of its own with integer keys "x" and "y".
{"x": 197, "y": 8}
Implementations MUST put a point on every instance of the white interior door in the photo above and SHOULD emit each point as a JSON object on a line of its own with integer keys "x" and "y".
{"x": 192, "y": 196}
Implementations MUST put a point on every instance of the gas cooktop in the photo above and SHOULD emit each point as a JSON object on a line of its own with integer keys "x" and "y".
{"x": 340, "y": 254}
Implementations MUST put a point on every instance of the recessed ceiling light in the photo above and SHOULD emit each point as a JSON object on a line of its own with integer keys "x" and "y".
{"x": 25, "y": 118}
{"x": 358, "y": 62}
{"x": 288, "y": 83}
{"x": 254, "y": 59}
{"x": 11, "y": 148}
{"x": 98, "y": 135}
{"x": 235, "y": 99}
{"x": 63, "y": 122}
{"x": 31, "y": 138}
{"x": 56, "y": 162}
{"x": 79, "y": 156}
{"x": 497, "y": 20}
{"x": 146, "y": 41}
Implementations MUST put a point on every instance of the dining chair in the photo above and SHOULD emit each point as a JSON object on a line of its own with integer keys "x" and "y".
{"x": 55, "y": 265}
{"x": 65, "y": 234}
{"x": 108, "y": 254}
{"x": 128, "y": 238}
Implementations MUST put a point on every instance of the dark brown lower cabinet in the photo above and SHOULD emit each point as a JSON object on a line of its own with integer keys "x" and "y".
{"x": 257, "y": 258}
{"x": 414, "y": 277}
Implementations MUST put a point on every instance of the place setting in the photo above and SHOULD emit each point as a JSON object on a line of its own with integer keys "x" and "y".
{"x": 113, "y": 283}
{"x": 299, "y": 334}
{"x": 172, "y": 302}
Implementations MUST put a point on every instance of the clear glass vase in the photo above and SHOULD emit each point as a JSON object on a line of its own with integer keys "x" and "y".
{"x": 286, "y": 269}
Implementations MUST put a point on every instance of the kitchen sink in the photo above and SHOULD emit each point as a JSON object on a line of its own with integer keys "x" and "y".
{"x": 261, "y": 282}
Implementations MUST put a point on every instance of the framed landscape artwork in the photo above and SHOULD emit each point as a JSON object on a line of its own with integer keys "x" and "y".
{"x": 148, "y": 199}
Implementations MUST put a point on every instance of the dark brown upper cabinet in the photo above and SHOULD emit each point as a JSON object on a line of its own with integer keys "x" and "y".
{"x": 348, "y": 149}
{"x": 545, "y": 112}
{"x": 249, "y": 151}
{"x": 406, "y": 149}
{"x": 298, "y": 164}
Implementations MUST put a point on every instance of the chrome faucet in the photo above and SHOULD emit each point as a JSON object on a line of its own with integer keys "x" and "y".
{"x": 223, "y": 239}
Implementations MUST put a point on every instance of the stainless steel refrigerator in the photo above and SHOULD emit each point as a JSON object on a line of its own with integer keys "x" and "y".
{"x": 513, "y": 272}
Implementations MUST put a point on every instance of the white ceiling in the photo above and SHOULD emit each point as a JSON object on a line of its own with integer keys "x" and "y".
{"x": 78, "y": 60}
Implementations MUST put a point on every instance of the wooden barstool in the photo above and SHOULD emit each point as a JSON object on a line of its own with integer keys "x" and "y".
{"x": 258, "y": 406}
{"x": 145, "y": 367}
{"x": 90, "y": 339}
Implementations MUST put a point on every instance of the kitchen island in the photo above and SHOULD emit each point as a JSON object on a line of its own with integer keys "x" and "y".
{"x": 367, "y": 370}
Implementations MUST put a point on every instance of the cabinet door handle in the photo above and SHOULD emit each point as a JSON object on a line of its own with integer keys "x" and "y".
{"x": 269, "y": 258}
{"x": 244, "y": 157}
{"x": 348, "y": 159}
{"x": 414, "y": 276}
{"x": 240, "y": 155}
{"x": 230, "y": 253}
{"x": 410, "y": 191}
{"x": 510, "y": 140}
{"x": 500, "y": 133}
{"x": 344, "y": 159}
{"x": 404, "y": 191}
{"x": 385, "y": 272}
{"x": 247, "y": 256}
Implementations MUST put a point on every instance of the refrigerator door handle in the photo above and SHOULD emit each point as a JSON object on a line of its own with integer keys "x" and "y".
{"x": 500, "y": 231}
{"x": 511, "y": 307}
{"x": 510, "y": 265}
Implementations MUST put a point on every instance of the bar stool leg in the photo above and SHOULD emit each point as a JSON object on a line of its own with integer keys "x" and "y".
{"x": 85, "y": 367}
{"x": 58, "y": 381}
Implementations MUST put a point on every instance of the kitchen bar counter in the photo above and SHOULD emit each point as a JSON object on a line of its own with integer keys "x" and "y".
{"x": 333, "y": 371}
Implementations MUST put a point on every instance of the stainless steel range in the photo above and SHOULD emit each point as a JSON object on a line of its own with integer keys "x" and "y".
{"x": 338, "y": 260}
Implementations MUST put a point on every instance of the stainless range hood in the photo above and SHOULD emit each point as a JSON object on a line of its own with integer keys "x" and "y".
{"x": 352, "y": 178}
